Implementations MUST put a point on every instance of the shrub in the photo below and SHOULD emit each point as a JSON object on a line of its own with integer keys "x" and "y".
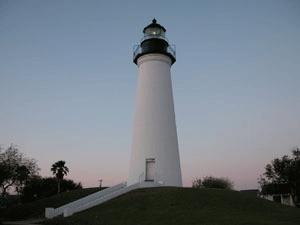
{"x": 197, "y": 183}
{"x": 38, "y": 188}
{"x": 213, "y": 182}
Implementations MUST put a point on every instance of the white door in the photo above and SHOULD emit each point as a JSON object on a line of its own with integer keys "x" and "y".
{"x": 150, "y": 169}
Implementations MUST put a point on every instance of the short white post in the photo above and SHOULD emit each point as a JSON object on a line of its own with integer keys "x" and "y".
{"x": 68, "y": 212}
{"x": 49, "y": 213}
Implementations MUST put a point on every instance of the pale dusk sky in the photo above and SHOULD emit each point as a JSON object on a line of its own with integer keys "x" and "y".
{"x": 68, "y": 84}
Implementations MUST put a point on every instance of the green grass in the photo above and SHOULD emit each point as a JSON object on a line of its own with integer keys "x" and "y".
{"x": 37, "y": 209}
{"x": 171, "y": 205}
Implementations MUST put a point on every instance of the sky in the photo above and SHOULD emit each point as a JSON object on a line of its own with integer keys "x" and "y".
{"x": 68, "y": 84}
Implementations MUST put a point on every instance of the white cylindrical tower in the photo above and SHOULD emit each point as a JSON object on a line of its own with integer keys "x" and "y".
{"x": 154, "y": 154}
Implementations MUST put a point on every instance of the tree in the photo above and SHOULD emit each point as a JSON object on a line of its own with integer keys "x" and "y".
{"x": 41, "y": 187}
{"x": 59, "y": 170}
{"x": 22, "y": 175}
{"x": 15, "y": 168}
{"x": 197, "y": 183}
{"x": 282, "y": 176}
{"x": 213, "y": 182}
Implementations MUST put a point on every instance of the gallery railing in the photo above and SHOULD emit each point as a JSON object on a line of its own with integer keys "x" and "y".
{"x": 137, "y": 49}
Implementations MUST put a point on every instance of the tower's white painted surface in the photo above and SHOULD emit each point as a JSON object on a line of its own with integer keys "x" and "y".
{"x": 155, "y": 135}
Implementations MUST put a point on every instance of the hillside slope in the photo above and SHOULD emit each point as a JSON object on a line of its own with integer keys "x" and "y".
{"x": 171, "y": 205}
{"x": 37, "y": 209}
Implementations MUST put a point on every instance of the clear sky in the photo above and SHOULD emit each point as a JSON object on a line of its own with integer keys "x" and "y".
{"x": 68, "y": 84}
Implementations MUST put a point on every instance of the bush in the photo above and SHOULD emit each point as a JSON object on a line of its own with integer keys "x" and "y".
{"x": 38, "y": 188}
{"x": 197, "y": 183}
{"x": 273, "y": 189}
{"x": 213, "y": 182}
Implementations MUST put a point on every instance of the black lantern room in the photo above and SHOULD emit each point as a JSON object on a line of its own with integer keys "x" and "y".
{"x": 154, "y": 41}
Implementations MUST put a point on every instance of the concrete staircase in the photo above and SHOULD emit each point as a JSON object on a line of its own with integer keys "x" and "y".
{"x": 96, "y": 199}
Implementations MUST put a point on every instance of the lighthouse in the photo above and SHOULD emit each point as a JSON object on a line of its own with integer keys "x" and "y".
{"x": 154, "y": 154}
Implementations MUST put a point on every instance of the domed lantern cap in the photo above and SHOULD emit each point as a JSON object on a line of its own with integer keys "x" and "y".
{"x": 154, "y": 41}
{"x": 154, "y": 29}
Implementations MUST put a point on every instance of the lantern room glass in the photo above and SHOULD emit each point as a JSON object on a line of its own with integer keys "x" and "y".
{"x": 154, "y": 32}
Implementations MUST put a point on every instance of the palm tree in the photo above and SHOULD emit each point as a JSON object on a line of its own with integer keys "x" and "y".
{"x": 59, "y": 170}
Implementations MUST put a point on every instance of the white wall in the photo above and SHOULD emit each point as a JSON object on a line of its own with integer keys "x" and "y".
{"x": 285, "y": 199}
{"x": 155, "y": 134}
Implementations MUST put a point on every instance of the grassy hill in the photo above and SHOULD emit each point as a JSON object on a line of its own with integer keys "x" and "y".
{"x": 37, "y": 209}
{"x": 171, "y": 205}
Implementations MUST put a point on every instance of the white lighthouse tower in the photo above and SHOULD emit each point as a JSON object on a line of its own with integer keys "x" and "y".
{"x": 154, "y": 153}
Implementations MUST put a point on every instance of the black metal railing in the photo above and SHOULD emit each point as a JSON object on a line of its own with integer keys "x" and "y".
{"x": 172, "y": 50}
{"x": 137, "y": 49}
